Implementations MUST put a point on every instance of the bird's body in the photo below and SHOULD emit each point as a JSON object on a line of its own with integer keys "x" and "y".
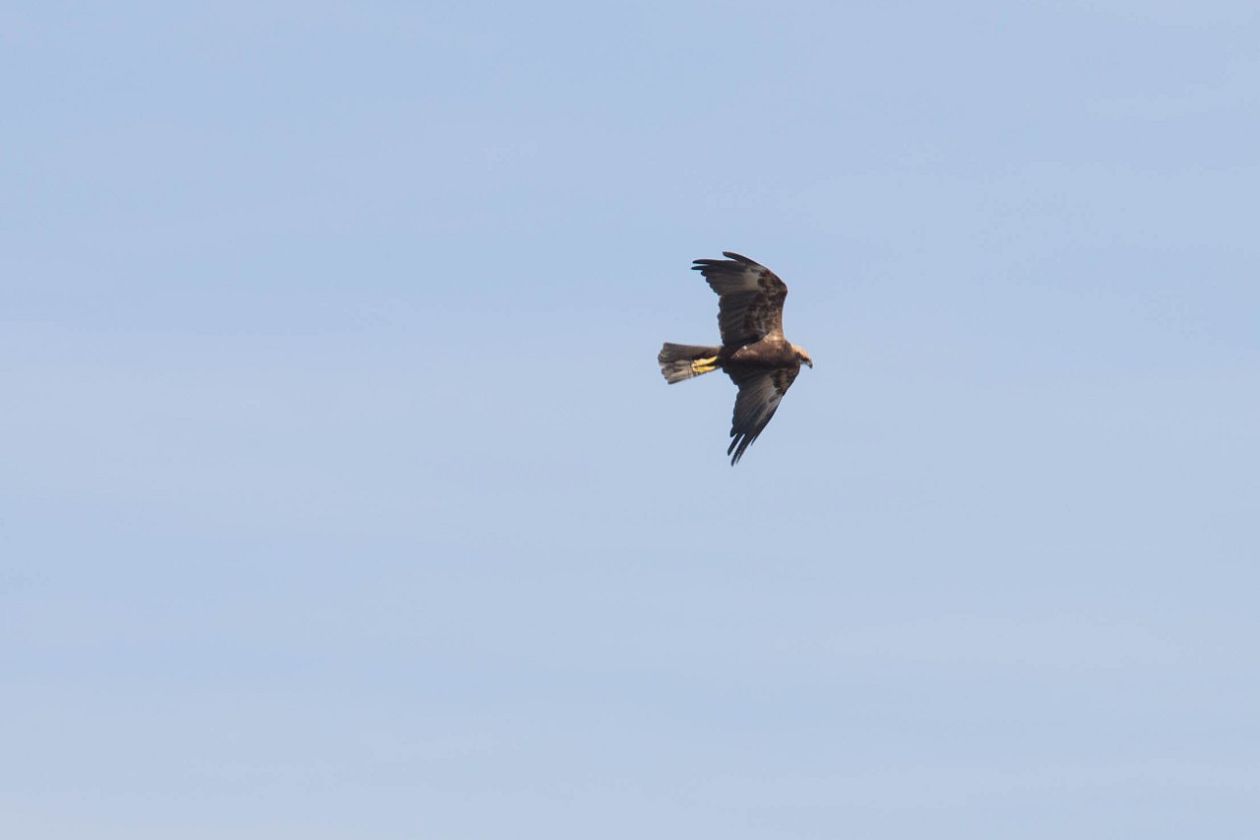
{"x": 754, "y": 352}
{"x": 771, "y": 351}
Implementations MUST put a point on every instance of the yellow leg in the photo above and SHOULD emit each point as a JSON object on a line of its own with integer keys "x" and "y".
{"x": 700, "y": 366}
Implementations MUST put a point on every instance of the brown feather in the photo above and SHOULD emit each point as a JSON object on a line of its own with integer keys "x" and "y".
{"x": 751, "y": 297}
{"x": 761, "y": 390}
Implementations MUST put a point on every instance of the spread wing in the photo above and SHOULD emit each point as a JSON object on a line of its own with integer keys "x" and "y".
{"x": 751, "y": 305}
{"x": 760, "y": 392}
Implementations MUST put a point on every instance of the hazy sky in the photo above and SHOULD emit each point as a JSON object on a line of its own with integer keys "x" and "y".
{"x": 341, "y": 496}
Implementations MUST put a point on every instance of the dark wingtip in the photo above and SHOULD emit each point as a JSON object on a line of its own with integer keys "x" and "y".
{"x": 701, "y": 265}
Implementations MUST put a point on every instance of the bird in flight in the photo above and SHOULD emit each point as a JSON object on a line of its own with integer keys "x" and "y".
{"x": 754, "y": 353}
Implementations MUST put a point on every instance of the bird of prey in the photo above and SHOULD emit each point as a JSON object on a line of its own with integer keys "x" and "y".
{"x": 754, "y": 353}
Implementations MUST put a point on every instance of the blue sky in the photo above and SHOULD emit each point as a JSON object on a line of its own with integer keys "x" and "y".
{"x": 340, "y": 495}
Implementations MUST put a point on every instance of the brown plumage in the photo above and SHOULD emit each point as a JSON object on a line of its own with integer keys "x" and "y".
{"x": 754, "y": 352}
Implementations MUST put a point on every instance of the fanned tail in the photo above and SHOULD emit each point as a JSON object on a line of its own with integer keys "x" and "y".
{"x": 683, "y": 361}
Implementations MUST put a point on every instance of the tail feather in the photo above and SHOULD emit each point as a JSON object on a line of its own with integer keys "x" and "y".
{"x": 683, "y": 361}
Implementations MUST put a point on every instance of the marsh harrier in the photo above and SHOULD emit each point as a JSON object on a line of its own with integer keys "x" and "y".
{"x": 754, "y": 353}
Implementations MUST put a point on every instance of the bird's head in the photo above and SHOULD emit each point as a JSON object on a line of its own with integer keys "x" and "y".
{"x": 802, "y": 355}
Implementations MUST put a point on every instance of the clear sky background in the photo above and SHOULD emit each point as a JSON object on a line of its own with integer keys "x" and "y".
{"x": 341, "y": 496}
